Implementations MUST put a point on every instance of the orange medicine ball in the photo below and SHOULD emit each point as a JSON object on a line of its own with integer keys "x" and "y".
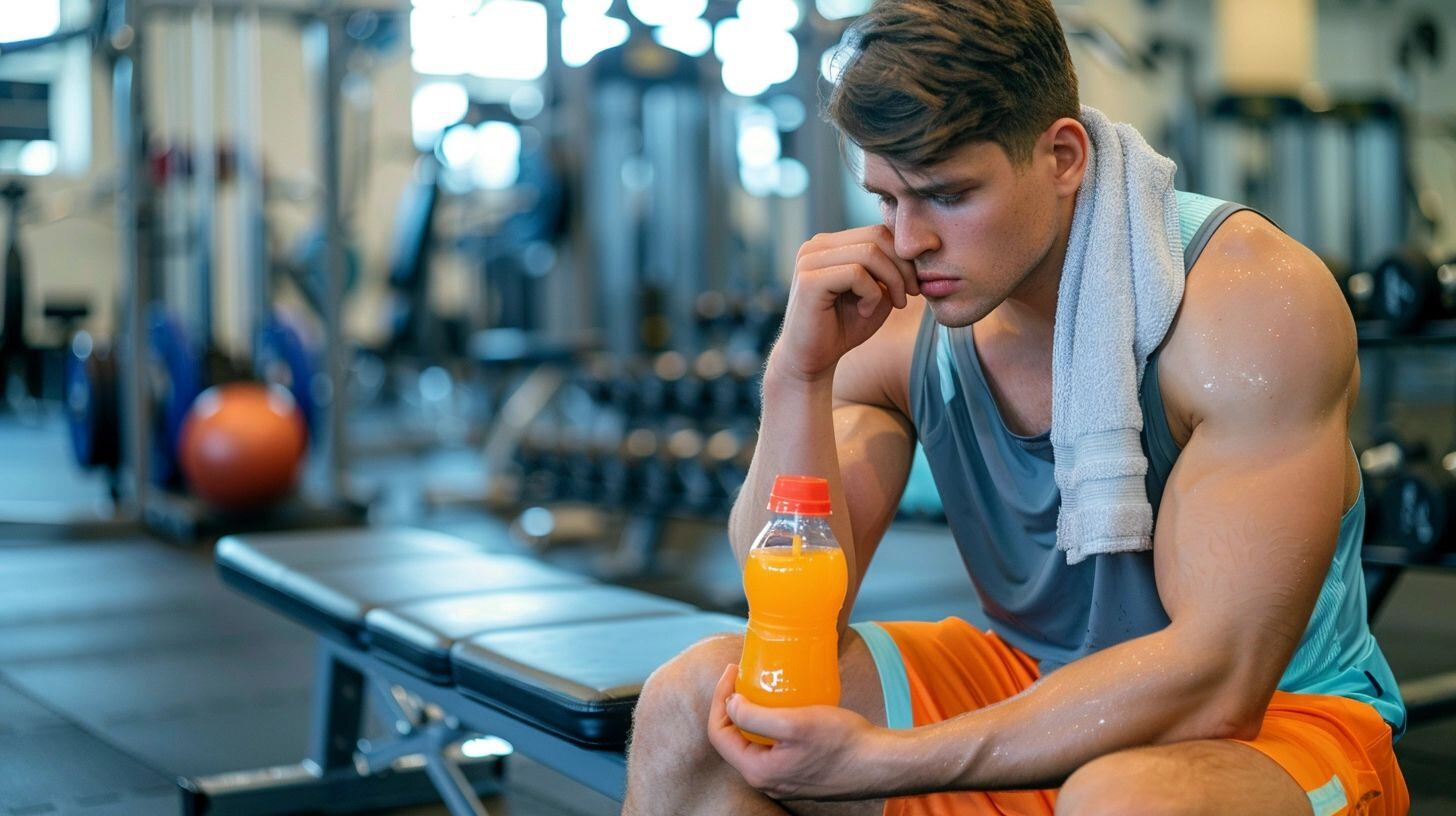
{"x": 242, "y": 444}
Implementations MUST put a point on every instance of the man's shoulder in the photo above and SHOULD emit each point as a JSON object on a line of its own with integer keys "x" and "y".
{"x": 1261, "y": 318}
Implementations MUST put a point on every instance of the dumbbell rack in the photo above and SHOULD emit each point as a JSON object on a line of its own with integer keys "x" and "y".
{"x": 1432, "y": 698}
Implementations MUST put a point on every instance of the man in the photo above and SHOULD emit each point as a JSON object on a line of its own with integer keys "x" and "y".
{"x": 1228, "y": 669}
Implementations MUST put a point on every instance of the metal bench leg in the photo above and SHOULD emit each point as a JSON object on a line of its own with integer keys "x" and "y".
{"x": 454, "y": 788}
{"x": 338, "y": 713}
{"x": 418, "y": 734}
{"x": 343, "y": 773}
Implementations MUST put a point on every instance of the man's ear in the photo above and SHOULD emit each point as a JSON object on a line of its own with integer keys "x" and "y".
{"x": 1067, "y": 146}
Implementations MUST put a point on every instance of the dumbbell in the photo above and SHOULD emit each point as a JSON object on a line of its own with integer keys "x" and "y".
{"x": 577, "y": 468}
{"x": 612, "y": 469}
{"x": 597, "y": 376}
{"x": 602, "y": 468}
{"x": 732, "y": 383}
{"x": 764, "y": 316}
{"x": 711, "y": 388}
{"x": 693, "y": 484}
{"x": 1378, "y": 463}
{"x": 538, "y": 456}
{"x": 1409, "y": 497}
{"x": 654, "y": 484}
{"x": 1406, "y": 289}
{"x": 1418, "y": 504}
{"x": 718, "y": 316}
{"x": 746, "y": 369}
{"x": 1357, "y": 288}
{"x": 728, "y": 453}
{"x": 661, "y": 386}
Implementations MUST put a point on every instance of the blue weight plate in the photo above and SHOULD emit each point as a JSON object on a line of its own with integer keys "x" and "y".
{"x": 287, "y": 359}
{"x": 177, "y": 380}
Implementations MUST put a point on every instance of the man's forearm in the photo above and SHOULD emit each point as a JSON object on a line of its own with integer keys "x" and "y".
{"x": 796, "y": 435}
{"x": 1154, "y": 689}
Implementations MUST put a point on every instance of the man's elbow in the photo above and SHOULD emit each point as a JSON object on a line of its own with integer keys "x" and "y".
{"x": 1236, "y": 723}
{"x": 1235, "y": 712}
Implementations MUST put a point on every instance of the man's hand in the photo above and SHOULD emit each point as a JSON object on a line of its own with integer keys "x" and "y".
{"x": 845, "y": 284}
{"x": 821, "y": 752}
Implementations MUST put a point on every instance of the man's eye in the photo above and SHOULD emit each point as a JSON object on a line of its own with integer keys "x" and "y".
{"x": 947, "y": 200}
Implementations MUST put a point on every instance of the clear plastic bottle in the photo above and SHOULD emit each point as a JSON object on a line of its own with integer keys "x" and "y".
{"x": 795, "y": 579}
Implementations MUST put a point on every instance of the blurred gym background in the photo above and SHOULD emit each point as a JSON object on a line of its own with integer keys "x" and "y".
{"x": 509, "y": 270}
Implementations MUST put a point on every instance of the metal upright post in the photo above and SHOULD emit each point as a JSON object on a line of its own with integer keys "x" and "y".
{"x": 328, "y": 74}
{"x": 129, "y": 138}
{"x": 204, "y": 157}
{"x": 247, "y": 114}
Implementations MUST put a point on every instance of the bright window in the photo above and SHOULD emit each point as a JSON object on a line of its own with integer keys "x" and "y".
{"x": 45, "y": 111}
{"x": 499, "y": 39}
{"x": 28, "y": 19}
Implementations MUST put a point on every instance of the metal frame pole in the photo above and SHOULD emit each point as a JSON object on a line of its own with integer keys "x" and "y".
{"x": 247, "y": 115}
{"x": 204, "y": 157}
{"x": 328, "y": 74}
{"x": 129, "y": 138}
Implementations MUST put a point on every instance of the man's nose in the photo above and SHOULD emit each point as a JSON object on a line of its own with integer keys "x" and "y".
{"x": 913, "y": 236}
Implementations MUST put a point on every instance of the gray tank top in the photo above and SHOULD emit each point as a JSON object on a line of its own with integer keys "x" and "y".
{"x": 1004, "y": 511}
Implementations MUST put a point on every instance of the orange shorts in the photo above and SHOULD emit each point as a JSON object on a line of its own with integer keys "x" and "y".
{"x": 1338, "y": 750}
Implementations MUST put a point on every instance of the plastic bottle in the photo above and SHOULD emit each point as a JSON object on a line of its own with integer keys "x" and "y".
{"x": 795, "y": 579}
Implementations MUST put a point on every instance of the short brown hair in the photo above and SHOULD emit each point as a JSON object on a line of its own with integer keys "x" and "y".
{"x": 922, "y": 78}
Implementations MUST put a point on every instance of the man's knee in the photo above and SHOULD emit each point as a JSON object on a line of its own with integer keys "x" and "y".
{"x": 1127, "y": 783}
{"x": 683, "y": 687}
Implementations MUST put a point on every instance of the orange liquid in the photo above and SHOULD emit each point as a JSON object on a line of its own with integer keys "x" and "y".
{"x": 791, "y": 648}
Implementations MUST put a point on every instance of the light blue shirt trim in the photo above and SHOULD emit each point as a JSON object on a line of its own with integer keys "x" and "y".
{"x": 945, "y": 365}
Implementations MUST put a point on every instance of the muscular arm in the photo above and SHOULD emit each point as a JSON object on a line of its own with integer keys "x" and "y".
{"x": 852, "y": 432}
{"x": 1264, "y": 357}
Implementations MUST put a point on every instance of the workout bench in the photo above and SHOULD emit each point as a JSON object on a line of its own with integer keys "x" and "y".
{"x": 450, "y": 642}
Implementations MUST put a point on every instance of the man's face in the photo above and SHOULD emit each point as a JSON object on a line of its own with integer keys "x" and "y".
{"x": 976, "y": 226}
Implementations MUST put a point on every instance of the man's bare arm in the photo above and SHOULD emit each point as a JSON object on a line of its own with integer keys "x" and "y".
{"x": 852, "y": 432}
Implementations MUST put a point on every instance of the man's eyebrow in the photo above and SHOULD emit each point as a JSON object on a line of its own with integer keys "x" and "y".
{"x": 933, "y": 188}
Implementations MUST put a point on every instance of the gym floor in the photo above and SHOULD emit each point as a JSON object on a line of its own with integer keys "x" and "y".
{"x": 125, "y": 663}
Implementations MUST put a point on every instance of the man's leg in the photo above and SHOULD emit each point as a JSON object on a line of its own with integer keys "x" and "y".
{"x": 1185, "y": 778}
{"x": 671, "y": 767}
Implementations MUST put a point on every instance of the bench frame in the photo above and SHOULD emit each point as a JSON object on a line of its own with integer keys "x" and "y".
{"x": 344, "y": 772}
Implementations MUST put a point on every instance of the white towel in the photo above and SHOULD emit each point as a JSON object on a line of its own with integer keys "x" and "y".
{"x": 1121, "y": 285}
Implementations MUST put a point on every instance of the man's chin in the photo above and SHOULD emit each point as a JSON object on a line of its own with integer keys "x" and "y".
{"x": 954, "y": 313}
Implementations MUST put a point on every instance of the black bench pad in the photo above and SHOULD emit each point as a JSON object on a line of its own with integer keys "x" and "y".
{"x": 541, "y": 644}
{"x": 321, "y": 583}
{"x": 257, "y": 554}
{"x": 579, "y": 681}
{"x": 418, "y": 635}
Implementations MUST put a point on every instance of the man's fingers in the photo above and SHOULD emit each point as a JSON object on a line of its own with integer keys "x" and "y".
{"x": 761, "y": 720}
{"x": 722, "y": 733}
{"x": 877, "y": 234}
{"x": 718, "y": 713}
{"x": 855, "y": 279}
{"x": 875, "y": 262}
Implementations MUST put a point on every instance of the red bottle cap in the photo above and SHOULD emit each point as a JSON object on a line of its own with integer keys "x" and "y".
{"x": 805, "y": 495}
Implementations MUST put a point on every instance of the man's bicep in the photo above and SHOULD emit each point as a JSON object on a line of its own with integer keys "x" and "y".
{"x": 875, "y": 448}
{"x": 1261, "y": 367}
{"x": 1245, "y": 534}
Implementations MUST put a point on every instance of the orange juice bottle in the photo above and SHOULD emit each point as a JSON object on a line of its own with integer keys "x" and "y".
{"x": 795, "y": 579}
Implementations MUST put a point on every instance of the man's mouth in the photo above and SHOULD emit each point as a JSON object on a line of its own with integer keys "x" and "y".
{"x": 935, "y": 286}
